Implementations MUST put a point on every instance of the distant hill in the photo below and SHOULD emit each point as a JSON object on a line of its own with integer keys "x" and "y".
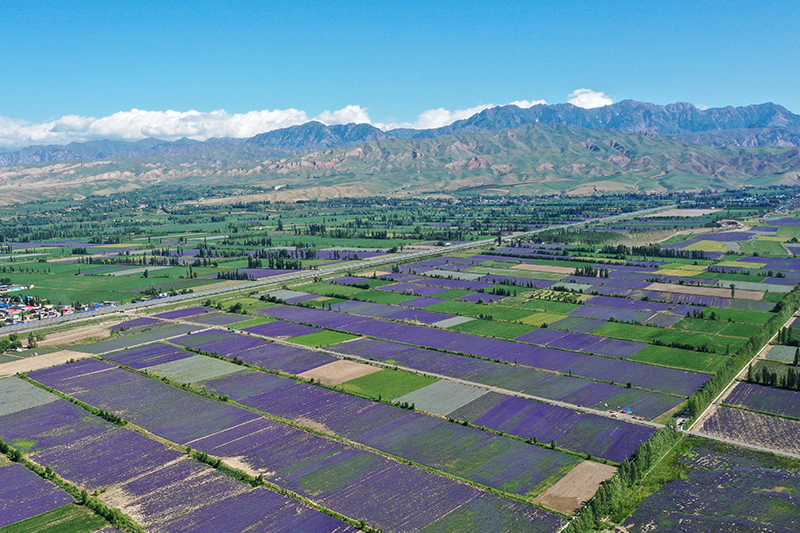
{"x": 754, "y": 125}
{"x": 536, "y": 159}
{"x": 314, "y": 136}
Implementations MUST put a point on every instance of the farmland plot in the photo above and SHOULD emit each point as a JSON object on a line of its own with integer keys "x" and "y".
{"x": 431, "y": 441}
{"x": 527, "y": 380}
{"x": 130, "y": 470}
{"x": 727, "y": 489}
{"x": 754, "y": 428}
{"x": 276, "y": 455}
{"x": 23, "y": 494}
{"x": 765, "y": 399}
{"x": 195, "y": 368}
{"x": 442, "y": 397}
{"x": 147, "y": 356}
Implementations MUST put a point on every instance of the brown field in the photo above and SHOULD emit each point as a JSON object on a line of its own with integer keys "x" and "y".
{"x": 29, "y": 364}
{"x": 72, "y": 336}
{"x": 719, "y": 292}
{"x": 574, "y": 489}
{"x": 339, "y": 372}
{"x": 545, "y": 268}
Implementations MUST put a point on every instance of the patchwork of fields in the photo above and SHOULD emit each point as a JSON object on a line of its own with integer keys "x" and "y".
{"x": 481, "y": 392}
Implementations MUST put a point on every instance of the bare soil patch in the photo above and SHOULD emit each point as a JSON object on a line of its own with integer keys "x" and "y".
{"x": 240, "y": 463}
{"x": 545, "y": 268}
{"x": 37, "y": 362}
{"x": 682, "y": 213}
{"x": 339, "y": 372}
{"x": 71, "y": 336}
{"x": 313, "y": 424}
{"x": 575, "y": 489}
{"x": 719, "y": 292}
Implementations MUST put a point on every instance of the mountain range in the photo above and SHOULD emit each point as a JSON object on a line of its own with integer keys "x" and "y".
{"x": 533, "y": 159}
{"x": 754, "y": 125}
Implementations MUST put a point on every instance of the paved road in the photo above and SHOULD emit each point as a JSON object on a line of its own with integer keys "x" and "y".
{"x": 305, "y": 275}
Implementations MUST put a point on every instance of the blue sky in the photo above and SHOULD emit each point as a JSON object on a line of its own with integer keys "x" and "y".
{"x": 390, "y": 61}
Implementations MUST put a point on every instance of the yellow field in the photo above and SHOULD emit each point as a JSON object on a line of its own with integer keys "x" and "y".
{"x": 542, "y": 318}
{"x": 743, "y": 264}
{"x": 671, "y": 272}
{"x": 708, "y": 246}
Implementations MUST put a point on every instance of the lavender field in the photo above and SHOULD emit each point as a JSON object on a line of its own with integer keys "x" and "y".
{"x": 23, "y": 494}
{"x": 561, "y": 361}
{"x": 727, "y": 489}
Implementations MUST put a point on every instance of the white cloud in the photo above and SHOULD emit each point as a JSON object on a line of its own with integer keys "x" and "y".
{"x": 351, "y": 113}
{"x": 138, "y": 124}
{"x": 525, "y": 104}
{"x": 589, "y": 99}
{"x": 437, "y": 118}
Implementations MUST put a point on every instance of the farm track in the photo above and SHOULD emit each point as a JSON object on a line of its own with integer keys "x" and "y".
{"x": 303, "y": 275}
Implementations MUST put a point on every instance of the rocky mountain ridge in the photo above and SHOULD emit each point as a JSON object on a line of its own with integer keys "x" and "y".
{"x": 755, "y": 125}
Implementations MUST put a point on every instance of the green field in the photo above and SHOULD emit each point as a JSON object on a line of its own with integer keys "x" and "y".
{"x": 549, "y": 305}
{"x": 387, "y": 384}
{"x": 650, "y": 335}
{"x": 383, "y": 297}
{"x": 248, "y": 304}
{"x": 497, "y": 312}
{"x": 254, "y": 322}
{"x": 322, "y": 338}
{"x": 762, "y": 247}
{"x": 737, "y": 315}
{"x": 491, "y": 328}
{"x": 678, "y": 358}
{"x": 70, "y": 518}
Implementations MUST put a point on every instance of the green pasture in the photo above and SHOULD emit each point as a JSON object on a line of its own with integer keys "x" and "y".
{"x": 540, "y": 319}
{"x": 549, "y": 306}
{"x": 322, "y": 338}
{"x": 679, "y": 358}
{"x": 649, "y": 334}
{"x": 762, "y": 247}
{"x": 71, "y": 518}
{"x": 254, "y": 322}
{"x": 452, "y": 294}
{"x": 387, "y": 384}
{"x": 491, "y": 328}
{"x": 737, "y": 315}
{"x": 382, "y": 297}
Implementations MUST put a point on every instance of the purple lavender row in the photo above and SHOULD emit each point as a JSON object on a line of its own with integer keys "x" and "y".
{"x": 459, "y": 450}
{"x": 144, "y": 470}
{"x": 544, "y": 384}
{"x": 670, "y": 380}
{"x": 356, "y": 483}
{"x": 765, "y": 399}
{"x": 24, "y": 494}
